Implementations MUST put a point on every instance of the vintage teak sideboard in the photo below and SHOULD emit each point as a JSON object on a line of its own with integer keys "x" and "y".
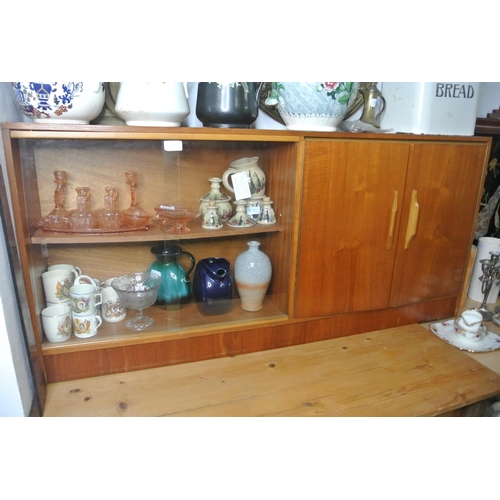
{"x": 374, "y": 231}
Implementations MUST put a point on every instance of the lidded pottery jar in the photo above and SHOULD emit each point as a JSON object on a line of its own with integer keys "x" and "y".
{"x": 56, "y": 102}
{"x": 176, "y": 288}
{"x": 222, "y": 201}
{"x": 212, "y": 286}
{"x": 252, "y": 274}
{"x": 255, "y": 176}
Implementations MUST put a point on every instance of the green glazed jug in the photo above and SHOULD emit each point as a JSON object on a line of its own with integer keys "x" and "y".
{"x": 176, "y": 287}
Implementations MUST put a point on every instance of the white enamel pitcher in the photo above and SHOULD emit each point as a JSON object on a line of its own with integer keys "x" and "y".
{"x": 150, "y": 104}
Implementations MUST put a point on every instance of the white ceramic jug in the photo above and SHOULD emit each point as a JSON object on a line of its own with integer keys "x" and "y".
{"x": 255, "y": 176}
{"x": 151, "y": 104}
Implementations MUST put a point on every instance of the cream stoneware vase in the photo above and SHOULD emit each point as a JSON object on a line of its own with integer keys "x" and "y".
{"x": 252, "y": 274}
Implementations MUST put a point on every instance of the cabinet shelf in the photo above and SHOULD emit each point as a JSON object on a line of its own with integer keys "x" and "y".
{"x": 154, "y": 233}
{"x": 169, "y": 325}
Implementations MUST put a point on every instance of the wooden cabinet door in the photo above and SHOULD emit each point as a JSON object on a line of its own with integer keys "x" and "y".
{"x": 350, "y": 212}
{"x": 438, "y": 218}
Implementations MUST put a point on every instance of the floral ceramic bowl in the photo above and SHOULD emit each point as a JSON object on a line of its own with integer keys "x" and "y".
{"x": 56, "y": 102}
{"x": 316, "y": 106}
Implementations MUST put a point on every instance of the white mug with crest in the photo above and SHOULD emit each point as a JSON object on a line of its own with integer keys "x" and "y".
{"x": 111, "y": 309}
{"x": 56, "y": 285}
{"x": 86, "y": 326}
{"x": 57, "y": 322}
{"x": 84, "y": 299}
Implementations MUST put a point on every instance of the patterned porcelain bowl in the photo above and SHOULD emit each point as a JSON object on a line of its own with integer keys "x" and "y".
{"x": 56, "y": 102}
{"x": 316, "y": 106}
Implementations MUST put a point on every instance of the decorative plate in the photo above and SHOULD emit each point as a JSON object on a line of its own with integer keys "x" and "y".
{"x": 446, "y": 331}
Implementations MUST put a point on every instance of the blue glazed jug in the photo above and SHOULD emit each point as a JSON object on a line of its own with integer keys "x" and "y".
{"x": 176, "y": 287}
{"x": 212, "y": 286}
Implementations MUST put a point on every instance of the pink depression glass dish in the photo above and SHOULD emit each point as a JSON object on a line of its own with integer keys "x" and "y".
{"x": 174, "y": 218}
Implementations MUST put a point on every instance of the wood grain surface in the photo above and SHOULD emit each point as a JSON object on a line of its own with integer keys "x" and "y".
{"x": 404, "y": 371}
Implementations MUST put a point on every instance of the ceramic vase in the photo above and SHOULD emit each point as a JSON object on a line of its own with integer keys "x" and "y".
{"x": 252, "y": 274}
{"x": 212, "y": 286}
{"x": 56, "y": 102}
{"x": 176, "y": 287}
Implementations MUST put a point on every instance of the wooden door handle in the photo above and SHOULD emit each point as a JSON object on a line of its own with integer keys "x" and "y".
{"x": 392, "y": 223}
{"x": 411, "y": 229}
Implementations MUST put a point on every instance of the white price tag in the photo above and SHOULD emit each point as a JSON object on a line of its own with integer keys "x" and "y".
{"x": 255, "y": 210}
{"x": 240, "y": 186}
{"x": 172, "y": 145}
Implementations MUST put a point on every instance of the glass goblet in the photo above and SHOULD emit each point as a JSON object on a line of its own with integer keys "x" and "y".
{"x": 137, "y": 291}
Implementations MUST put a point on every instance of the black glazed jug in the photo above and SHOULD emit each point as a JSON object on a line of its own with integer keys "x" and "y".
{"x": 228, "y": 104}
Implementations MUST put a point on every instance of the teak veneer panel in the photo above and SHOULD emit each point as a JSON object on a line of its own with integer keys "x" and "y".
{"x": 404, "y": 371}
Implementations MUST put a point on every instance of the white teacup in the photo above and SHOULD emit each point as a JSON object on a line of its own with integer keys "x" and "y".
{"x": 57, "y": 322}
{"x": 84, "y": 299}
{"x": 469, "y": 326}
{"x": 65, "y": 267}
{"x": 84, "y": 279}
{"x": 470, "y": 320}
{"x": 86, "y": 326}
{"x": 111, "y": 308}
{"x": 56, "y": 285}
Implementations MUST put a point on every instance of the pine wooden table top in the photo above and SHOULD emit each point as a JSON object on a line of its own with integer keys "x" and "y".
{"x": 403, "y": 371}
